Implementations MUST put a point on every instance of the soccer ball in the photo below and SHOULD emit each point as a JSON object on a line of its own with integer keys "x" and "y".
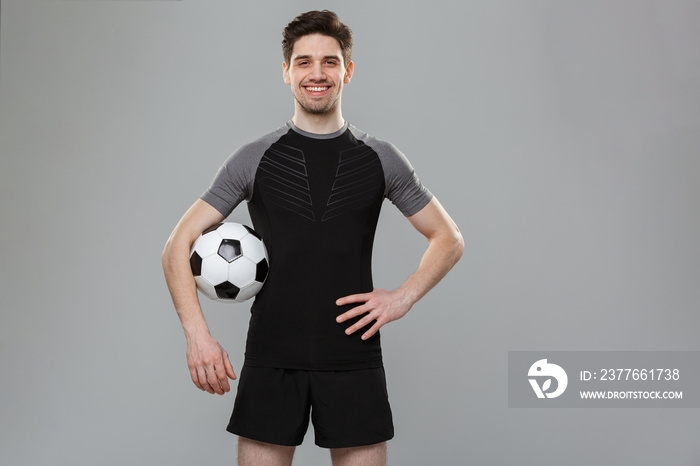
{"x": 229, "y": 262}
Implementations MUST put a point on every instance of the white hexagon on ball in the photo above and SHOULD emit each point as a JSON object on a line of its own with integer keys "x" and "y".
{"x": 207, "y": 244}
{"x": 232, "y": 230}
{"x": 215, "y": 269}
{"x": 241, "y": 272}
{"x": 253, "y": 248}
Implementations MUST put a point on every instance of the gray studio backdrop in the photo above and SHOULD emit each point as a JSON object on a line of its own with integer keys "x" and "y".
{"x": 563, "y": 138}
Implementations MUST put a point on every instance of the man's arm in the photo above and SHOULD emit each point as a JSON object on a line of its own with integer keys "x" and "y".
{"x": 208, "y": 362}
{"x": 444, "y": 250}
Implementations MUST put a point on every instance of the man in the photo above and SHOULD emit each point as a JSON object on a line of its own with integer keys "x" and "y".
{"x": 314, "y": 188}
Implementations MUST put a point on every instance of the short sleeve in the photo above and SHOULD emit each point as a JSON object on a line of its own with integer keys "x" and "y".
{"x": 234, "y": 181}
{"x": 402, "y": 186}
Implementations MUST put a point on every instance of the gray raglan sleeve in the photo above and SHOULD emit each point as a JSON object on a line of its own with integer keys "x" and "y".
{"x": 233, "y": 182}
{"x": 403, "y": 187}
{"x": 229, "y": 186}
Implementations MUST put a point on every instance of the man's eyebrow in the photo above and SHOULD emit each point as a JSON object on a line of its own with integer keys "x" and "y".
{"x": 308, "y": 57}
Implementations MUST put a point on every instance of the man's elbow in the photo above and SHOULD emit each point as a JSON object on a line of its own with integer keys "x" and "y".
{"x": 171, "y": 248}
{"x": 457, "y": 244}
{"x": 165, "y": 256}
{"x": 452, "y": 242}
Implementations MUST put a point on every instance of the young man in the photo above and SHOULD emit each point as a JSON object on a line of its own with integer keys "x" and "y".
{"x": 314, "y": 188}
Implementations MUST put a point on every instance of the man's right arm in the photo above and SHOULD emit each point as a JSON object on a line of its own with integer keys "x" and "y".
{"x": 209, "y": 364}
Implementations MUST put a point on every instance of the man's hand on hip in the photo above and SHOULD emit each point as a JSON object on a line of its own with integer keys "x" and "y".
{"x": 209, "y": 364}
{"x": 384, "y": 306}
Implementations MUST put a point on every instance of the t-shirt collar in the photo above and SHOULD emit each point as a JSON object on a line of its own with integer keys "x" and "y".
{"x": 334, "y": 134}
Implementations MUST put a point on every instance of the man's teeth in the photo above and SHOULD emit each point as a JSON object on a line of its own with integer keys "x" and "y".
{"x": 317, "y": 89}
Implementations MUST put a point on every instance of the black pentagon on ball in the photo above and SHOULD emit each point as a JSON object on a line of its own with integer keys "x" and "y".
{"x": 252, "y": 232}
{"x": 226, "y": 290}
{"x": 261, "y": 271}
{"x": 196, "y": 264}
{"x": 230, "y": 249}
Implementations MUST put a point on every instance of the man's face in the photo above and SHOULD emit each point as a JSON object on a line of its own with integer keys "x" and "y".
{"x": 316, "y": 73}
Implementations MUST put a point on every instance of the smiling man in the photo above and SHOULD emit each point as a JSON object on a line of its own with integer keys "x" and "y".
{"x": 317, "y": 89}
{"x": 314, "y": 188}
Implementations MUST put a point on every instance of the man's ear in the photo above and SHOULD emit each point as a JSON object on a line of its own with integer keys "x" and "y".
{"x": 348, "y": 72}
{"x": 285, "y": 73}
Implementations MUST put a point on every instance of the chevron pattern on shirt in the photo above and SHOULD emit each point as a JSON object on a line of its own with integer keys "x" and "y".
{"x": 358, "y": 182}
{"x": 283, "y": 171}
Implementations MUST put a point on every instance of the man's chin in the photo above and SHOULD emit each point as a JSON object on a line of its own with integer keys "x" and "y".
{"x": 317, "y": 109}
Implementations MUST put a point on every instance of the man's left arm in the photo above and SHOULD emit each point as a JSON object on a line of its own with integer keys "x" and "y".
{"x": 444, "y": 250}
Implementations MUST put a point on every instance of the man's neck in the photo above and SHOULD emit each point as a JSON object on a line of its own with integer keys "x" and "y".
{"x": 318, "y": 124}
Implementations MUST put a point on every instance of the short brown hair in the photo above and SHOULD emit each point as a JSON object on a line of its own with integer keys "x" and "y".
{"x": 317, "y": 22}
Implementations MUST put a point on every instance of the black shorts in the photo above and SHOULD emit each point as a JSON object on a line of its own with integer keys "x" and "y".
{"x": 348, "y": 408}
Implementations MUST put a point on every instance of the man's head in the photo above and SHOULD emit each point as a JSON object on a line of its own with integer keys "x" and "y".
{"x": 317, "y": 48}
{"x": 317, "y": 22}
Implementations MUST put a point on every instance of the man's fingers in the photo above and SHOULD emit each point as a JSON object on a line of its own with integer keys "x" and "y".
{"x": 358, "y": 298}
{"x": 203, "y": 381}
{"x": 353, "y": 298}
{"x": 229, "y": 367}
{"x": 354, "y": 312}
{"x": 223, "y": 383}
{"x": 374, "y": 329}
{"x": 213, "y": 382}
{"x": 215, "y": 372}
{"x": 195, "y": 378}
{"x": 220, "y": 386}
{"x": 222, "y": 378}
{"x": 360, "y": 323}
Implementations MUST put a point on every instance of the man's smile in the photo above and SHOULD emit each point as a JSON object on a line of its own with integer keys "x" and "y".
{"x": 316, "y": 90}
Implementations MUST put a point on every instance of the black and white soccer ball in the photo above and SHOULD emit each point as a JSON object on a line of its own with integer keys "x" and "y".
{"x": 229, "y": 262}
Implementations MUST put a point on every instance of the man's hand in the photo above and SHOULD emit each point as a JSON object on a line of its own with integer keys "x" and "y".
{"x": 209, "y": 364}
{"x": 384, "y": 306}
{"x": 444, "y": 250}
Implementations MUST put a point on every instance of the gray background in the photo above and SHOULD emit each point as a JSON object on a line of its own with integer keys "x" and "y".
{"x": 563, "y": 138}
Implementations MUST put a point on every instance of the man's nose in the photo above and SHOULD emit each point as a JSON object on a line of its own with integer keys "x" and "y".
{"x": 317, "y": 73}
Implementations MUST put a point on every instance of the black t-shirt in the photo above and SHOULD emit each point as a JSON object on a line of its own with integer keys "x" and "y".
{"x": 315, "y": 200}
